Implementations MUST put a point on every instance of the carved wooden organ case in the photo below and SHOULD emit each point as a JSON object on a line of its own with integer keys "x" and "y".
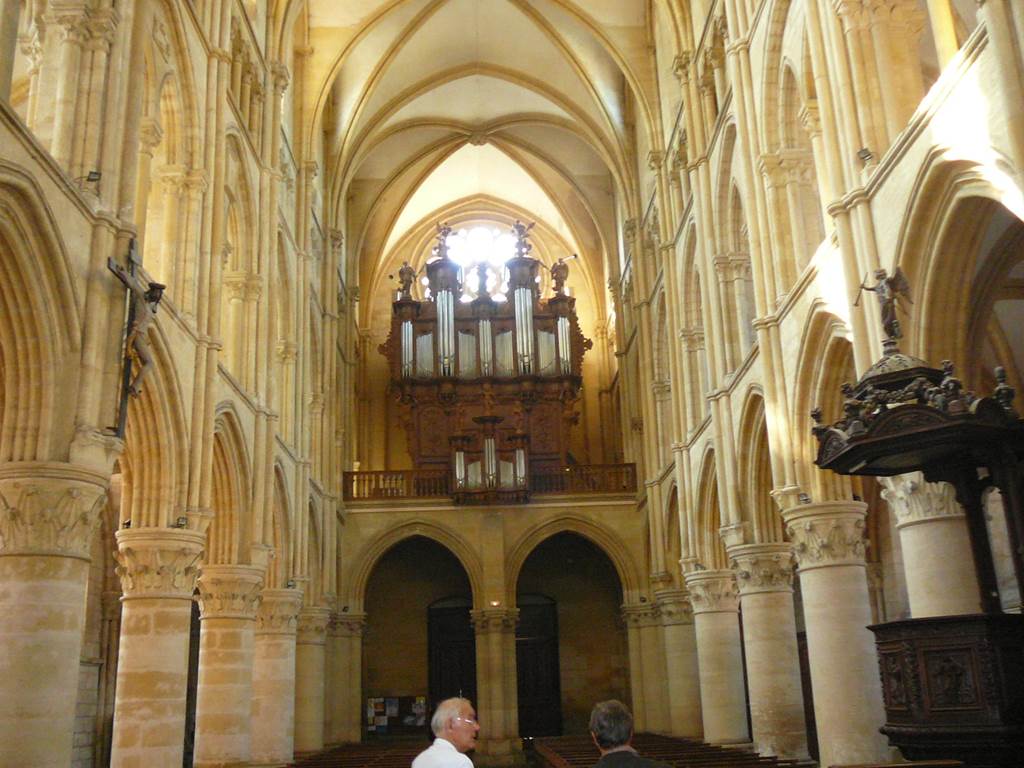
{"x": 487, "y": 388}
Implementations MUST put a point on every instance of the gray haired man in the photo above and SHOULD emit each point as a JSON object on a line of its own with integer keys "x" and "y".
{"x": 455, "y": 728}
{"x": 611, "y": 728}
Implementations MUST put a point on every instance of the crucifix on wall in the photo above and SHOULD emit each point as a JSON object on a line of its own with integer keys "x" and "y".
{"x": 143, "y": 300}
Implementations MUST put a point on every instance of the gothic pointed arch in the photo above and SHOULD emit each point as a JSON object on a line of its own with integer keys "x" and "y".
{"x": 364, "y": 561}
{"x": 606, "y": 540}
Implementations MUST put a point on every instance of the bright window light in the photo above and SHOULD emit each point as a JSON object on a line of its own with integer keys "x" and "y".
{"x": 469, "y": 248}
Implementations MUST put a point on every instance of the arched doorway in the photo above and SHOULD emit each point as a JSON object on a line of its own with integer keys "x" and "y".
{"x": 419, "y": 645}
{"x": 571, "y": 641}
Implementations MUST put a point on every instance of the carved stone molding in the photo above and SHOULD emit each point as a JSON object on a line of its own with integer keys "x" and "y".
{"x": 827, "y": 534}
{"x": 351, "y": 624}
{"x": 287, "y": 351}
{"x": 49, "y": 509}
{"x": 674, "y": 607}
{"x": 494, "y": 620}
{"x": 681, "y": 67}
{"x": 158, "y": 562}
{"x": 278, "y": 613}
{"x": 150, "y": 134}
{"x": 713, "y": 591}
{"x": 312, "y": 626}
{"x": 763, "y": 567}
{"x": 230, "y": 591}
{"x": 73, "y": 25}
{"x": 913, "y": 500}
{"x": 641, "y": 615}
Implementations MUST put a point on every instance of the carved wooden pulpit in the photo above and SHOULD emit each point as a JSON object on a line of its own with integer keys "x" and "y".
{"x": 488, "y": 387}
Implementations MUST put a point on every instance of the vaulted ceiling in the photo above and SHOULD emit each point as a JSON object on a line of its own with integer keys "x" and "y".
{"x": 474, "y": 110}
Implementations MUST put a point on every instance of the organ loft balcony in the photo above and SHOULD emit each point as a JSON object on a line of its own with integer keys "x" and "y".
{"x": 487, "y": 375}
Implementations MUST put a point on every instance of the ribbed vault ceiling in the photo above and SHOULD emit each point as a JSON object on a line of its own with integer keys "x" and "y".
{"x": 499, "y": 107}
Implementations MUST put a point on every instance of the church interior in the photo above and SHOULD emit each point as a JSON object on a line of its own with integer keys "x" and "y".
{"x": 355, "y": 354}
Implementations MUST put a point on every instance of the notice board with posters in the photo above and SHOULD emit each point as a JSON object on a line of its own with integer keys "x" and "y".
{"x": 399, "y": 715}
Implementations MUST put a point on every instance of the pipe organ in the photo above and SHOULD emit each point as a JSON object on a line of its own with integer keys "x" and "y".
{"x": 487, "y": 387}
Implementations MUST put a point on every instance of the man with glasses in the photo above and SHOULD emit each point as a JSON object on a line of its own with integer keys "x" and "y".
{"x": 455, "y": 728}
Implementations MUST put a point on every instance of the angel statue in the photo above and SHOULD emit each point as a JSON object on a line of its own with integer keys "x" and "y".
{"x": 889, "y": 289}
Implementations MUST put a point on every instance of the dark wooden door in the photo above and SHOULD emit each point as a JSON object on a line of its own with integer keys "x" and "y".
{"x": 452, "y": 651}
{"x": 540, "y": 696}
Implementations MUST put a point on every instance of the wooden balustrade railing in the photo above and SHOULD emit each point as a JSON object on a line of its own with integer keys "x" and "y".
{"x": 436, "y": 483}
{"x": 397, "y": 484}
{"x": 585, "y": 478}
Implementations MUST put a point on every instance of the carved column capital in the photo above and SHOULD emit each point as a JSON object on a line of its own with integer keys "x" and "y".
{"x": 102, "y": 27}
{"x": 763, "y": 567}
{"x": 278, "y": 613}
{"x": 770, "y": 165}
{"x": 150, "y": 134}
{"x": 172, "y": 176}
{"x": 913, "y": 500}
{"x": 494, "y": 620}
{"x": 49, "y": 509}
{"x": 713, "y": 591}
{"x": 282, "y": 77}
{"x": 641, "y": 615}
{"x": 681, "y": 67}
{"x": 312, "y": 626}
{"x": 674, "y": 607}
{"x": 827, "y": 534}
{"x": 73, "y": 25}
{"x": 351, "y": 624}
{"x": 286, "y": 351}
{"x": 158, "y": 562}
{"x": 229, "y": 591}
{"x": 692, "y": 338}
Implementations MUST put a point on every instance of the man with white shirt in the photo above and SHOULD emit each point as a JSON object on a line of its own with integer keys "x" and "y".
{"x": 455, "y": 728}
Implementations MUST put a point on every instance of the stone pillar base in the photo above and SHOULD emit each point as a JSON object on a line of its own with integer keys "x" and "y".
{"x": 498, "y": 753}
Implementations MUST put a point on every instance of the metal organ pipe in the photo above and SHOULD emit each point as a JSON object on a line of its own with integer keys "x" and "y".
{"x": 524, "y": 329}
{"x": 445, "y": 302}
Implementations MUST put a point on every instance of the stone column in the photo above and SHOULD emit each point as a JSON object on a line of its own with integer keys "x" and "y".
{"x": 646, "y": 667}
{"x": 229, "y": 596}
{"x": 348, "y": 679}
{"x": 943, "y": 28}
{"x": 829, "y": 539}
{"x": 158, "y": 568}
{"x": 309, "y": 679}
{"x": 497, "y": 708}
{"x": 764, "y": 574}
{"x": 273, "y": 677}
{"x": 73, "y": 30}
{"x": 636, "y": 677}
{"x": 8, "y": 46}
{"x": 682, "y": 672}
{"x": 716, "y": 619}
{"x": 48, "y": 513}
{"x": 334, "y": 669}
{"x": 936, "y": 546}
